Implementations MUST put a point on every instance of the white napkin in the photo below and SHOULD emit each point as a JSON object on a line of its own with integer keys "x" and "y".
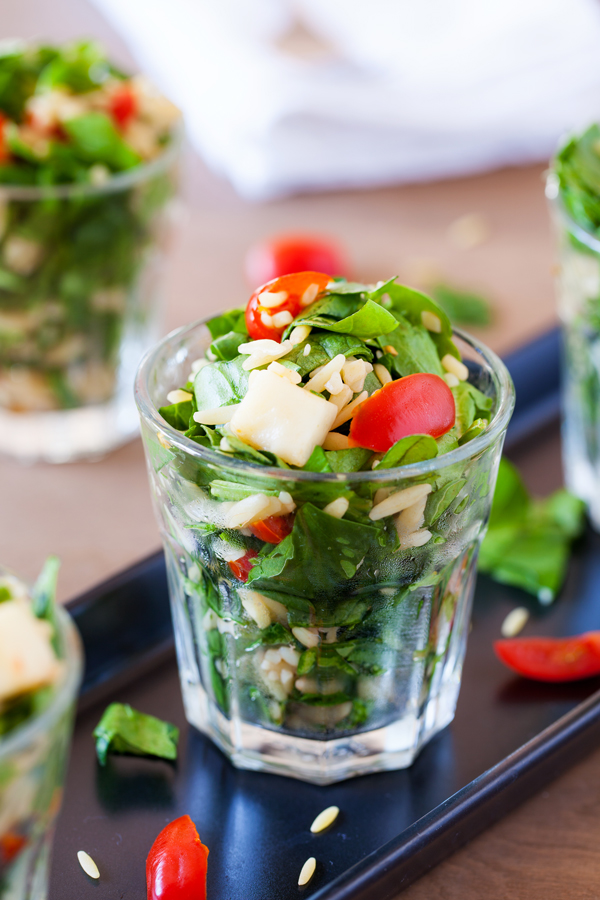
{"x": 409, "y": 91}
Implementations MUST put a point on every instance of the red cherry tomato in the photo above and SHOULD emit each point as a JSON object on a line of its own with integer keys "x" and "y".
{"x": 552, "y": 659}
{"x": 273, "y": 529}
{"x": 4, "y": 151}
{"x": 291, "y": 253}
{"x": 176, "y": 864}
{"x": 415, "y": 404}
{"x": 123, "y": 105}
{"x": 300, "y": 290}
{"x": 11, "y": 845}
{"x": 241, "y": 567}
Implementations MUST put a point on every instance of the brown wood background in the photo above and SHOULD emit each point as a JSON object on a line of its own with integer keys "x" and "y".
{"x": 97, "y": 516}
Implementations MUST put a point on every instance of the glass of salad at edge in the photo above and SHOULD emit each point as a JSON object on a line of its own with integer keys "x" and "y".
{"x": 320, "y": 589}
{"x": 35, "y": 734}
{"x": 573, "y": 192}
{"x": 89, "y": 161}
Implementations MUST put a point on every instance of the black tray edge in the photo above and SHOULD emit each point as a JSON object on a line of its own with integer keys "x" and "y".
{"x": 396, "y": 865}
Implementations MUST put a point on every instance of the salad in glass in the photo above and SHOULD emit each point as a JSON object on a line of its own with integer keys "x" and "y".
{"x": 40, "y": 670}
{"x": 87, "y": 173}
{"x": 573, "y": 187}
{"x": 322, "y": 464}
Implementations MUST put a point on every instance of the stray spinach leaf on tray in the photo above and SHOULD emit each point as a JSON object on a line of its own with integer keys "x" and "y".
{"x": 123, "y": 729}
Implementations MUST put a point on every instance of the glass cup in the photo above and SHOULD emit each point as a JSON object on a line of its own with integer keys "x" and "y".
{"x": 80, "y": 281}
{"x": 578, "y": 295}
{"x": 33, "y": 759}
{"x": 345, "y": 656}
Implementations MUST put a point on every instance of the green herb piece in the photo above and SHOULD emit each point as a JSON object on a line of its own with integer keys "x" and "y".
{"x": 95, "y": 139}
{"x": 411, "y": 449}
{"x": 123, "y": 729}
{"x": 352, "y": 460}
{"x": 43, "y": 595}
{"x": 221, "y": 384}
{"x": 463, "y": 307}
{"x": 178, "y": 415}
{"x": 528, "y": 541}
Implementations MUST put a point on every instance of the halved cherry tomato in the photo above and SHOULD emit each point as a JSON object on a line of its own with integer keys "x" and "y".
{"x": 11, "y": 845}
{"x": 415, "y": 404}
{"x": 289, "y": 253}
{"x": 241, "y": 567}
{"x": 4, "y": 151}
{"x": 123, "y": 105}
{"x": 273, "y": 529}
{"x": 297, "y": 292}
{"x": 176, "y": 864}
{"x": 552, "y": 659}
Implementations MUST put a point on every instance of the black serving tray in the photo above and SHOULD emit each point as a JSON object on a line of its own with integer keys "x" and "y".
{"x": 509, "y": 738}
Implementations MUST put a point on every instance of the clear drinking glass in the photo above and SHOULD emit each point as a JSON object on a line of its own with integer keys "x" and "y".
{"x": 348, "y": 658}
{"x": 578, "y": 295}
{"x": 33, "y": 759}
{"x": 80, "y": 283}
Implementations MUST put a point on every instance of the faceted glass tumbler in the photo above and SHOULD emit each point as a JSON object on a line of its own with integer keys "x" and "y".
{"x": 578, "y": 296}
{"x": 80, "y": 303}
{"x": 346, "y": 657}
{"x": 33, "y": 760}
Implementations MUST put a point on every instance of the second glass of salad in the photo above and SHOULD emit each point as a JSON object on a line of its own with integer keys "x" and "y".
{"x": 322, "y": 465}
{"x": 88, "y": 173}
{"x": 40, "y": 671}
{"x": 573, "y": 189}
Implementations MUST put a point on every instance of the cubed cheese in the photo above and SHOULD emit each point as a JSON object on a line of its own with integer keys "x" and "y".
{"x": 27, "y": 659}
{"x": 282, "y": 418}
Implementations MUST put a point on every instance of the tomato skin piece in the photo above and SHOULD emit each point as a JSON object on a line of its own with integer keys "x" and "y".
{"x": 123, "y": 105}
{"x": 11, "y": 844}
{"x": 4, "y": 151}
{"x": 241, "y": 567}
{"x": 416, "y": 404}
{"x": 294, "y": 286}
{"x": 273, "y": 529}
{"x": 289, "y": 253}
{"x": 176, "y": 864}
{"x": 552, "y": 659}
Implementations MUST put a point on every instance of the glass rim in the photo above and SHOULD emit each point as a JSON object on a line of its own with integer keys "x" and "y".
{"x": 552, "y": 192}
{"x": 498, "y": 424}
{"x": 65, "y": 694}
{"x": 119, "y": 182}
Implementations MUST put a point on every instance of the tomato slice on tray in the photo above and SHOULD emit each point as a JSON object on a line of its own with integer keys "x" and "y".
{"x": 416, "y": 404}
{"x": 273, "y": 529}
{"x": 272, "y": 307}
{"x": 289, "y": 253}
{"x": 176, "y": 864}
{"x": 552, "y": 659}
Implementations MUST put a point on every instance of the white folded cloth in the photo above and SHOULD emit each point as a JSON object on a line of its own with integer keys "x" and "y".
{"x": 406, "y": 91}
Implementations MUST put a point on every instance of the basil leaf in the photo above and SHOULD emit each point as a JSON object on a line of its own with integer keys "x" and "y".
{"x": 273, "y": 634}
{"x": 232, "y": 320}
{"x": 307, "y": 661}
{"x": 178, "y": 415}
{"x": 411, "y": 449}
{"x": 528, "y": 541}
{"x": 229, "y": 490}
{"x": 226, "y": 346}
{"x": 410, "y": 304}
{"x": 463, "y": 307}
{"x": 95, "y": 139}
{"x": 43, "y": 595}
{"x": 221, "y": 384}
{"x": 352, "y": 460}
{"x": 370, "y": 321}
{"x": 317, "y": 461}
{"x": 323, "y": 346}
{"x": 415, "y": 349}
{"x": 123, "y": 729}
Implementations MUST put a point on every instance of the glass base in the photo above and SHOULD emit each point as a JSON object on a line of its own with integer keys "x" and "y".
{"x": 27, "y": 878}
{"x": 67, "y": 435}
{"x": 321, "y": 762}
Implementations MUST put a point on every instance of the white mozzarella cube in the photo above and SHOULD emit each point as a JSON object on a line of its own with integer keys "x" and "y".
{"x": 27, "y": 660}
{"x": 282, "y": 418}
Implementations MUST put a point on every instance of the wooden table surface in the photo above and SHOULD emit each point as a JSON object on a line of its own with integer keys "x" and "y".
{"x": 97, "y": 516}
